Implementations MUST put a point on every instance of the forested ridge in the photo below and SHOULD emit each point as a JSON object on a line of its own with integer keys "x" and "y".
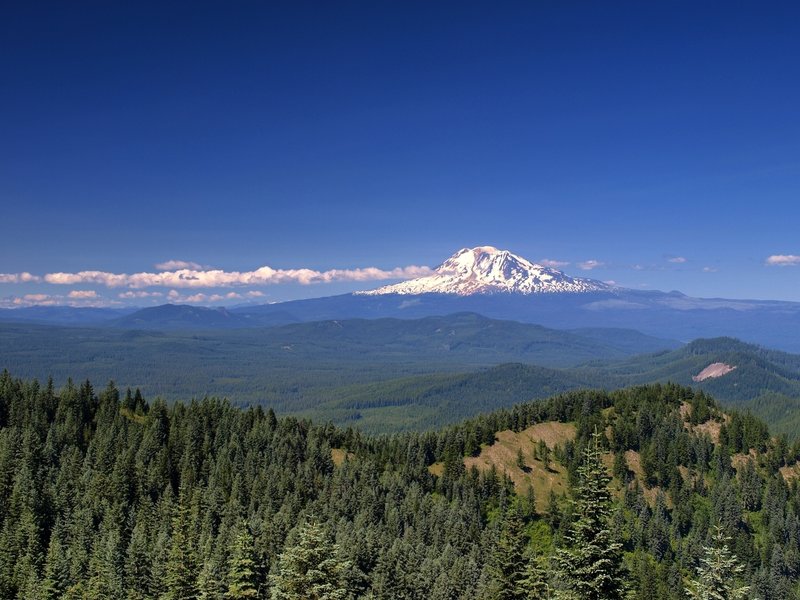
{"x": 104, "y": 494}
{"x": 388, "y": 375}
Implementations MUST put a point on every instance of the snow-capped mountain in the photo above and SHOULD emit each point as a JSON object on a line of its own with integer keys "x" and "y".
{"x": 487, "y": 270}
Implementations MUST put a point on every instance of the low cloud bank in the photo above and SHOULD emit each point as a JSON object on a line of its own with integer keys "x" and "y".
{"x": 216, "y": 278}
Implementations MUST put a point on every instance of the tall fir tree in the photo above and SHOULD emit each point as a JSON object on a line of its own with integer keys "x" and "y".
{"x": 106, "y": 565}
{"x": 138, "y": 557}
{"x": 534, "y": 580}
{"x": 507, "y": 565}
{"x": 242, "y": 576}
{"x": 590, "y": 566}
{"x": 717, "y": 572}
{"x": 56, "y": 571}
{"x": 311, "y": 569}
{"x": 182, "y": 568}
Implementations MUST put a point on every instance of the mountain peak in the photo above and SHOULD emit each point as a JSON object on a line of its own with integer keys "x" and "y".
{"x": 488, "y": 270}
{"x": 482, "y": 249}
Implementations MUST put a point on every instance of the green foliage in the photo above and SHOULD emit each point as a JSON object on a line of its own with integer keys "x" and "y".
{"x": 508, "y": 567}
{"x": 385, "y": 374}
{"x": 242, "y": 575}
{"x": 388, "y": 375}
{"x": 182, "y": 563}
{"x": 202, "y": 499}
{"x": 717, "y": 572}
{"x": 590, "y": 565}
{"x": 311, "y": 569}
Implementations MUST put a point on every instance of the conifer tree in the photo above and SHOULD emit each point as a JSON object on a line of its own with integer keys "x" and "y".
{"x": 56, "y": 572}
{"x": 181, "y": 567}
{"x": 242, "y": 577}
{"x": 527, "y": 504}
{"x": 533, "y": 582}
{"x": 310, "y": 569}
{"x": 508, "y": 561}
{"x": 717, "y": 572}
{"x": 553, "y": 511}
{"x": 590, "y": 567}
{"x": 520, "y": 459}
{"x": 212, "y": 579}
{"x": 106, "y": 562}
{"x": 544, "y": 455}
{"x": 138, "y": 557}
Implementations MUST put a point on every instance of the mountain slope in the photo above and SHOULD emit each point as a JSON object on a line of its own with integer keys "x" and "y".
{"x": 754, "y": 369}
{"x": 442, "y": 364}
{"x": 427, "y": 401}
{"x": 476, "y": 338}
{"x": 501, "y": 285}
{"x": 766, "y": 382}
{"x": 672, "y": 315}
{"x": 293, "y": 367}
{"x": 487, "y": 270}
{"x": 420, "y": 511}
{"x": 63, "y": 315}
{"x": 180, "y": 316}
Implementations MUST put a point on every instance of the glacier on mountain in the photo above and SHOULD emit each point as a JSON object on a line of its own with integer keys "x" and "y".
{"x": 487, "y": 270}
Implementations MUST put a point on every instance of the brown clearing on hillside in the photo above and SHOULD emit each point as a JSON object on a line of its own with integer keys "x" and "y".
{"x": 436, "y": 469}
{"x": 711, "y": 427}
{"x": 634, "y": 462}
{"x": 503, "y": 455}
{"x": 792, "y": 472}
{"x": 686, "y": 411}
{"x": 338, "y": 455}
{"x": 739, "y": 459}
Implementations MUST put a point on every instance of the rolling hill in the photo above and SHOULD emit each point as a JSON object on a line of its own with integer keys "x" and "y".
{"x": 396, "y": 374}
{"x": 180, "y": 316}
{"x": 762, "y": 381}
{"x": 295, "y": 367}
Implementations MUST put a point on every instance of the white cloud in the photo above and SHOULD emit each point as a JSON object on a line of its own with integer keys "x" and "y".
{"x": 129, "y": 295}
{"x": 588, "y": 265}
{"x": 554, "y": 264}
{"x": 177, "y": 297}
{"x": 709, "y": 270}
{"x": 202, "y": 298}
{"x": 96, "y": 277}
{"x": 82, "y": 294}
{"x": 677, "y": 260}
{"x": 19, "y": 278}
{"x": 783, "y": 260}
{"x": 77, "y": 300}
{"x": 29, "y": 300}
{"x": 175, "y": 265}
{"x": 215, "y": 278}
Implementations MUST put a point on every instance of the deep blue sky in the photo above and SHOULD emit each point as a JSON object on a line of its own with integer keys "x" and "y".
{"x": 358, "y": 134}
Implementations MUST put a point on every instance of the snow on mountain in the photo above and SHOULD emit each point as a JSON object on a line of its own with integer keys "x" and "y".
{"x": 487, "y": 270}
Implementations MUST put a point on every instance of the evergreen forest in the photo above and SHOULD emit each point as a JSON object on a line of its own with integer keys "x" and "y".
{"x": 654, "y": 493}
